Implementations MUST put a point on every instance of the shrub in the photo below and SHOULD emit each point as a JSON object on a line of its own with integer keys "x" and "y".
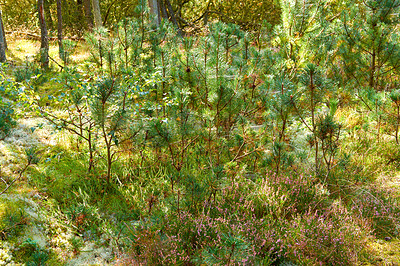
{"x": 6, "y": 119}
{"x": 379, "y": 209}
{"x": 287, "y": 194}
{"x": 329, "y": 238}
{"x": 226, "y": 232}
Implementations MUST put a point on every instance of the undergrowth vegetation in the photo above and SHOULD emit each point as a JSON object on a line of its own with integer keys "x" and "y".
{"x": 227, "y": 148}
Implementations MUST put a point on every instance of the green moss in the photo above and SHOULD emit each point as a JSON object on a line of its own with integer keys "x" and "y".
{"x": 13, "y": 219}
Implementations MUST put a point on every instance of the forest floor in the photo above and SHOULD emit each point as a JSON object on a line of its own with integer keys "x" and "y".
{"x": 43, "y": 226}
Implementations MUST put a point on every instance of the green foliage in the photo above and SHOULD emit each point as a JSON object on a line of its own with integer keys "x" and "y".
{"x": 6, "y": 119}
{"x": 228, "y": 147}
{"x": 7, "y": 115}
{"x": 367, "y": 43}
{"x": 248, "y": 14}
{"x": 13, "y": 219}
{"x": 31, "y": 253}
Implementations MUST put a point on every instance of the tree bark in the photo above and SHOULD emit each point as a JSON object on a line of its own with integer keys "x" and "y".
{"x": 88, "y": 13}
{"x": 59, "y": 31}
{"x": 80, "y": 14}
{"x": 44, "y": 46}
{"x": 97, "y": 15}
{"x": 155, "y": 11}
{"x": 4, "y": 32}
{"x": 2, "y": 42}
{"x": 163, "y": 9}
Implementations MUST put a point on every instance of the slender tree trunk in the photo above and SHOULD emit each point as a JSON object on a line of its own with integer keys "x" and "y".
{"x": 163, "y": 10}
{"x": 44, "y": 46}
{"x": 80, "y": 14}
{"x": 2, "y": 42}
{"x": 371, "y": 82}
{"x": 155, "y": 11}
{"x": 88, "y": 13}
{"x": 59, "y": 32}
{"x": 97, "y": 14}
{"x": 4, "y": 33}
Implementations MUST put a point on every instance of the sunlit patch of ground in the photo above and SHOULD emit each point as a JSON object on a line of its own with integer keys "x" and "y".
{"x": 81, "y": 53}
{"x": 25, "y": 50}
{"x": 390, "y": 183}
{"x": 385, "y": 252}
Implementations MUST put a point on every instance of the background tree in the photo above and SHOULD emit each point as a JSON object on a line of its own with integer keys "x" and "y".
{"x": 368, "y": 43}
{"x": 88, "y": 13}
{"x": 44, "y": 45}
{"x": 59, "y": 28}
{"x": 3, "y": 44}
{"x": 97, "y": 13}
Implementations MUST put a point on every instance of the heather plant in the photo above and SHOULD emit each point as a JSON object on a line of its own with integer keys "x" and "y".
{"x": 226, "y": 232}
{"x": 379, "y": 209}
{"x": 323, "y": 238}
{"x": 287, "y": 194}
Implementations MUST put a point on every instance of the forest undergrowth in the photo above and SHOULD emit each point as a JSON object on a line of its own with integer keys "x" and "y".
{"x": 226, "y": 148}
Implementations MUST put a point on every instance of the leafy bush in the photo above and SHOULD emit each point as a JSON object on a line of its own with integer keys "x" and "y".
{"x": 6, "y": 119}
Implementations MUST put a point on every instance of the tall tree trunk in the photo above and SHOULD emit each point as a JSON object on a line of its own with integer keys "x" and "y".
{"x": 88, "y": 13}
{"x": 44, "y": 46}
{"x": 155, "y": 11}
{"x": 97, "y": 15}
{"x": 2, "y": 42}
{"x": 80, "y": 14}
{"x": 59, "y": 32}
{"x": 4, "y": 32}
{"x": 163, "y": 11}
